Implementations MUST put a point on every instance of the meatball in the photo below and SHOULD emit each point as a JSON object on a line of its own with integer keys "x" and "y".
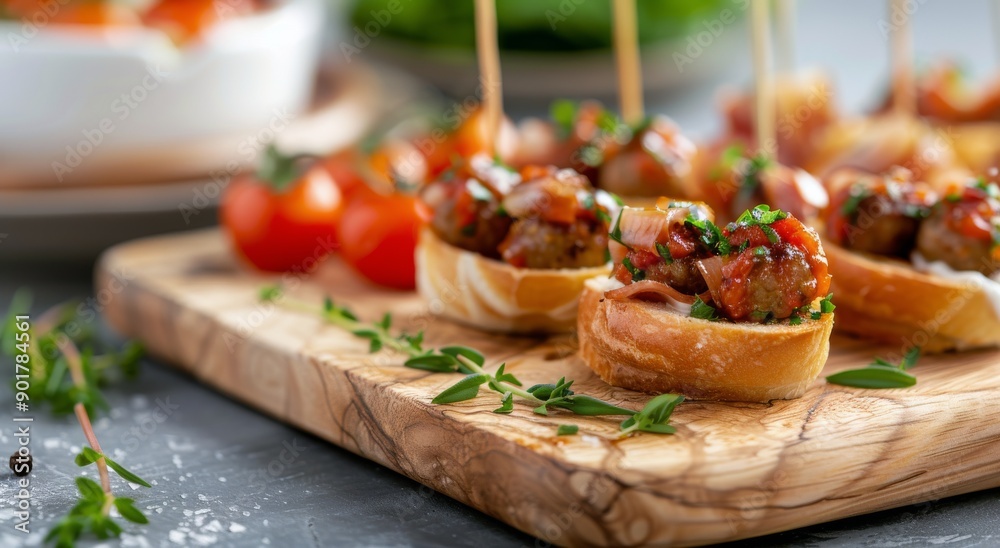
{"x": 656, "y": 162}
{"x": 964, "y": 230}
{"x": 534, "y": 243}
{"x": 879, "y": 214}
{"x": 681, "y": 274}
{"x": 467, "y": 216}
{"x": 767, "y": 283}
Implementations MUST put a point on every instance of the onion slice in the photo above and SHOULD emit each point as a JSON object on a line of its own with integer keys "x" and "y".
{"x": 711, "y": 270}
{"x": 648, "y": 290}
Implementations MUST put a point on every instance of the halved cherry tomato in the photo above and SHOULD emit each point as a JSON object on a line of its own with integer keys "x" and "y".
{"x": 379, "y": 237}
{"x": 282, "y": 218}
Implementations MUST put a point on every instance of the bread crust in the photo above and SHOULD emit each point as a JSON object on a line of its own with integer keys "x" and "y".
{"x": 494, "y": 296}
{"x": 890, "y": 301}
{"x": 644, "y": 346}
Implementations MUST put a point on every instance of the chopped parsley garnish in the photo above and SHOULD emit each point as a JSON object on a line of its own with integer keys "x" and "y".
{"x": 991, "y": 189}
{"x": 761, "y": 216}
{"x": 795, "y": 320}
{"x": 759, "y": 251}
{"x": 857, "y": 194}
{"x": 765, "y": 316}
{"x": 664, "y": 252}
{"x": 710, "y": 235}
{"x": 751, "y": 177}
{"x": 703, "y": 311}
{"x": 826, "y": 306}
{"x": 616, "y": 231}
{"x": 590, "y": 204}
{"x": 727, "y": 160}
{"x": 637, "y": 274}
{"x": 563, "y": 112}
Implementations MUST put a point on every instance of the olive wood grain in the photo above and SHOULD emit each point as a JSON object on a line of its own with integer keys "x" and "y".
{"x": 732, "y": 470}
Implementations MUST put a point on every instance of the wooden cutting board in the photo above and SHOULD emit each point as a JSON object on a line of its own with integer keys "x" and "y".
{"x": 732, "y": 470}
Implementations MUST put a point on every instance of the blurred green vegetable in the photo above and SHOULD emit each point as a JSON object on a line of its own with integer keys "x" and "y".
{"x": 536, "y": 25}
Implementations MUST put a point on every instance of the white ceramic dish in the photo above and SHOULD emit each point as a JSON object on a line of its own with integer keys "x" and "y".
{"x": 79, "y": 96}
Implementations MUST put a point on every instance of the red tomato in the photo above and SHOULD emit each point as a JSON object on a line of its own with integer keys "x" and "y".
{"x": 379, "y": 237}
{"x": 283, "y": 229}
{"x": 343, "y": 167}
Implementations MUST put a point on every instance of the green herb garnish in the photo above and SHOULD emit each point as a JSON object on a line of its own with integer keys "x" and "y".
{"x": 567, "y": 430}
{"x": 616, "y": 231}
{"x": 655, "y": 416}
{"x": 703, "y": 311}
{"x": 637, "y": 274}
{"x": 709, "y": 235}
{"x": 664, "y": 253}
{"x": 880, "y": 373}
{"x": 470, "y": 362}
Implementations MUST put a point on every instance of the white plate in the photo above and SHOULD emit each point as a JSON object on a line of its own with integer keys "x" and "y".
{"x": 77, "y": 103}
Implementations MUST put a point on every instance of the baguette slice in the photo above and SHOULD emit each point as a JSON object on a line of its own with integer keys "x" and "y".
{"x": 890, "y": 301}
{"x": 644, "y": 346}
{"x": 494, "y": 296}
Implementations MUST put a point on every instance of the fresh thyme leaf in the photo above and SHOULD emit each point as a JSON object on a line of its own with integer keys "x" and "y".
{"x": 664, "y": 253}
{"x": 567, "y": 429}
{"x": 500, "y": 376}
{"x": 589, "y": 406}
{"x": 465, "y": 389}
{"x": 506, "y": 404}
{"x": 89, "y": 489}
{"x": 125, "y": 473}
{"x": 795, "y": 320}
{"x": 873, "y": 376}
{"x": 703, "y": 311}
{"x": 269, "y": 293}
{"x": 439, "y": 363}
{"x": 880, "y": 373}
{"x": 87, "y": 457}
{"x": 910, "y": 359}
{"x": 471, "y": 354}
{"x": 654, "y": 416}
{"x": 128, "y": 511}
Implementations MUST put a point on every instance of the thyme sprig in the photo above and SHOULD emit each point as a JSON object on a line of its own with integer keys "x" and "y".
{"x": 69, "y": 378}
{"x": 461, "y": 359}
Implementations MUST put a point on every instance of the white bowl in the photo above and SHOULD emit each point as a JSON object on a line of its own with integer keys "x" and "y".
{"x": 75, "y": 100}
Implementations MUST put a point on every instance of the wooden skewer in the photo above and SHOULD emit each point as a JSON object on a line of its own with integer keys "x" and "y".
{"x": 786, "y": 36}
{"x": 764, "y": 107}
{"x": 488, "y": 52}
{"x": 995, "y": 9}
{"x": 626, "y": 38}
{"x": 904, "y": 95}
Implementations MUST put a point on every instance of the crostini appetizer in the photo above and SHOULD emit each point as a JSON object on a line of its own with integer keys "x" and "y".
{"x": 913, "y": 266}
{"x": 737, "y": 313}
{"x": 509, "y": 251}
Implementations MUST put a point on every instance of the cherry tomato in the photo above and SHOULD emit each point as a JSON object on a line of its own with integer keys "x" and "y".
{"x": 107, "y": 14}
{"x": 379, "y": 237}
{"x": 282, "y": 218}
{"x": 343, "y": 167}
